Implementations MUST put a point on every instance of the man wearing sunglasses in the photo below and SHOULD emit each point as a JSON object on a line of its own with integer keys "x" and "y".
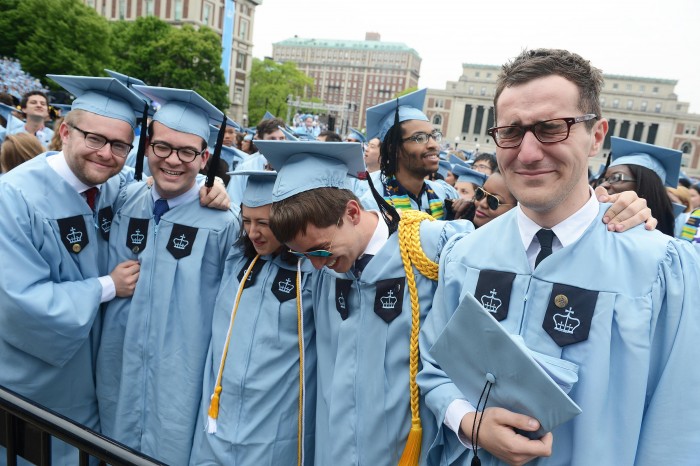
{"x": 410, "y": 148}
{"x": 611, "y": 317}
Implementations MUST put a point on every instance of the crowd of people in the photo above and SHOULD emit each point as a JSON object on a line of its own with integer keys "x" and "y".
{"x": 15, "y": 81}
{"x": 209, "y": 294}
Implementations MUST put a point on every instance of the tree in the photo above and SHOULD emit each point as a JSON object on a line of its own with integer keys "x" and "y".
{"x": 161, "y": 55}
{"x": 270, "y": 85}
{"x": 8, "y": 20}
{"x": 60, "y": 37}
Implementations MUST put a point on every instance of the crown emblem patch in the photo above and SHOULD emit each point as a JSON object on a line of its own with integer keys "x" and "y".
{"x": 388, "y": 300}
{"x": 493, "y": 290}
{"x": 137, "y": 234}
{"x": 73, "y": 233}
{"x": 284, "y": 285}
{"x": 181, "y": 240}
{"x": 572, "y": 324}
{"x": 105, "y": 217}
{"x": 342, "y": 295}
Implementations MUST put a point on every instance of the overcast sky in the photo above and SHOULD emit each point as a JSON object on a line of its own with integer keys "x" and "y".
{"x": 656, "y": 39}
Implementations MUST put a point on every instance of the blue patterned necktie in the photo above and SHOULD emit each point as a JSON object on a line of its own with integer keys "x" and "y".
{"x": 159, "y": 209}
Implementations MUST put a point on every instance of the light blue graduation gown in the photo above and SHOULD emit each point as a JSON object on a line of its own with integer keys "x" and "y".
{"x": 442, "y": 191}
{"x": 257, "y": 422}
{"x": 153, "y": 348}
{"x": 363, "y": 412}
{"x": 637, "y": 382}
{"x": 49, "y": 294}
{"x": 43, "y": 135}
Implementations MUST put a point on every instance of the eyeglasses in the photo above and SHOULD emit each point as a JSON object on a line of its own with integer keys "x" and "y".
{"x": 616, "y": 178}
{"x": 96, "y": 141}
{"x": 492, "y": 201}
{"x": 547, "y": 132}
{"x": 423, "y": 138}
{"x": 185, "y": 154}
{"x": 319, "y": 252}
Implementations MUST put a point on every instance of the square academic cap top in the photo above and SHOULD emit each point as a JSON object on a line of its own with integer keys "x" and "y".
{"x": 302, "y": 166}
{"x": 183, "y": 110}
{"x": 258, "y": 189}
{"x": 468, "y": 175}
{"x": 356, "y": 135}
{"x": 106, "y": 97}
{"x": 663, "y": 161}
{"x": 474, "y": 348}
{"x": 380, "y": 118}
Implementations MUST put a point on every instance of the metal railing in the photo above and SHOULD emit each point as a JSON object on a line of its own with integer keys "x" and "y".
{"x": 26, "y": 429}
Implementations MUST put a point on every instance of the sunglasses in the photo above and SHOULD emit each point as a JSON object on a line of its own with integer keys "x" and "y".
{"x": 318, "y": 252}
{"x": 491, "y": 200}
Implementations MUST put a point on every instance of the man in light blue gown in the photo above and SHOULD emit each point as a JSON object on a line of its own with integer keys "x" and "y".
{"x": 55, "y": 215}
{"x": 363, "y": 309}
{"x": 612, "y": 317}
{"x": 151, "y": 358}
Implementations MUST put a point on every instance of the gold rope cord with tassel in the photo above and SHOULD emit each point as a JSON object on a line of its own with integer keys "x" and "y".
{"x": 215, "y": 397}
{"x": 412, "y": 254}
{"x": 302, "y": 387}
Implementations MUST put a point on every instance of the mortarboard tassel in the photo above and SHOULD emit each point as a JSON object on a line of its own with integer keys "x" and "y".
{"x": 302, "y": 382}
{"x": 214, "y": 162}
{"x": 142, "y": 144}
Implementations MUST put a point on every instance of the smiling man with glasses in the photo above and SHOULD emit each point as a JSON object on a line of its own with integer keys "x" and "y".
{"x": 611, "y": 317}
{"x": 410, "y": 148}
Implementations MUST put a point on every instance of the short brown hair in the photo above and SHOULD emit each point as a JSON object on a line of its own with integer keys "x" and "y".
{"x": 320, "y": 207}
{"x": 18, "y": 148}
{"x": 540, "y": 63}
{"x": 268, "y": 126}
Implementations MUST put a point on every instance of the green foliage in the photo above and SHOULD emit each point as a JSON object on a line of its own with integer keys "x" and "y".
{"x": 8, "y": 21}
{"x": 406, "y": 91}
{"x": 60, "y": 37}
{"x": 270, "y": 84}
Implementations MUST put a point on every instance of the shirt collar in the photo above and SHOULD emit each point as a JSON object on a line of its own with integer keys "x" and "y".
{"x": 567, "y": 231}
{"x": 380, "y": 236}
{"x": 187, "y": 196}
{"x": 60, "y": 166}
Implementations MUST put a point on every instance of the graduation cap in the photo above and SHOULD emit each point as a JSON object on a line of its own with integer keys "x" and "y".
{"x": 455, "y": 160}
{"x": 444, "y": 167}
{"x": 106, "y": 97}
{"x": 268, "y": 116}
{"x": 302, "y": 166}
{"x": 128, "y": 81}
{"x": 6, "y": 112}
{"x": 356, "y": 135}
{"x": 475, "y": 351}
{"x": 258, "y": 189}
{"x": 382, "y": 117}
{"x": 231, "y": 155}
{"x": 665, "y": 162}
{"x": 288, "y": 135}
{"x": 64, "y": 108}
{"x": 467, "y": 175}
{"x": 678, "y": 209}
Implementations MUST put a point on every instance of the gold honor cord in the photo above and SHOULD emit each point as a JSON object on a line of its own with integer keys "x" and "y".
{"x": 214, "y": 403}
{"x": 412, "y": 254}
{"x": 302, "y": 387}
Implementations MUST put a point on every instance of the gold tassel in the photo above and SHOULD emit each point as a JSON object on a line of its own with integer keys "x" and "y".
{"x": 411, "y": 453}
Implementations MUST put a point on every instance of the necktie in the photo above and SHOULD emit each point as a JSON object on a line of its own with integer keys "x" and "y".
{"x": 159, "y": 209}
{"x": 545, "y": 238}
{"x": 361, "y": 263}
{"x": 90, "y": 195}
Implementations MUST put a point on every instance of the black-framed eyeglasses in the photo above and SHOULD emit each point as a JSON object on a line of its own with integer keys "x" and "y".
{"x": 96, "y": 141}
{"x": 423, "y": 138}
{"x": 185, "y": 154}
{"x": 492, "y": 201}
{"x": 319, "y": 252}
{"x": 615, "y": 179}
{"x": 547, "y": 132}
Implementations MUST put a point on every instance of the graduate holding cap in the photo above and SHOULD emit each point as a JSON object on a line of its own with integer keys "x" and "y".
{"x": 153, "y": 346}
{"x": 409, "y": 153}
{"x": 56, "y": 211}
{"x": 611, "y": 317}
{"x": 259, "y": 396}
{"x": 645, "y": 169}
{"x": 373, "y": 287}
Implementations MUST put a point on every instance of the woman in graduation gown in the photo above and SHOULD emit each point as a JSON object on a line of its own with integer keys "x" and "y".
{"x": 261, "y": 365}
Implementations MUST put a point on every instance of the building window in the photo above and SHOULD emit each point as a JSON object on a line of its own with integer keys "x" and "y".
{"x": 241, "y": 61}
{"x": 150, "y": 7}
{"x": 657, "y": 108}
{"x": 642, "y": 88}
{"x": 243, "y": 29}
{"x": 437, "y": 120}
{"x": 630, "y": 104}
{"x": 655, "y": 90}
{"x": 643, "y": 106}
{"x": 615, "y": 86}
{"x": 628, "y": 87}
{"x": 178, "y": 10}
{"x": 477, "y": 74}
{"x": 616, "y": 103}
{"x": 602, "y": 101}
{"x": 471, "y": 90}
{"x": 483, "y": 91}
{"x": 122, "y": 9}
{"x": 439, "y": 103}
{"x": 206, "y": 14}
{"x": 238, "y": 95}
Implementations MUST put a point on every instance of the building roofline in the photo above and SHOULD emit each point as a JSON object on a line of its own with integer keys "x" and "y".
{"x": 346, "y": 44}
